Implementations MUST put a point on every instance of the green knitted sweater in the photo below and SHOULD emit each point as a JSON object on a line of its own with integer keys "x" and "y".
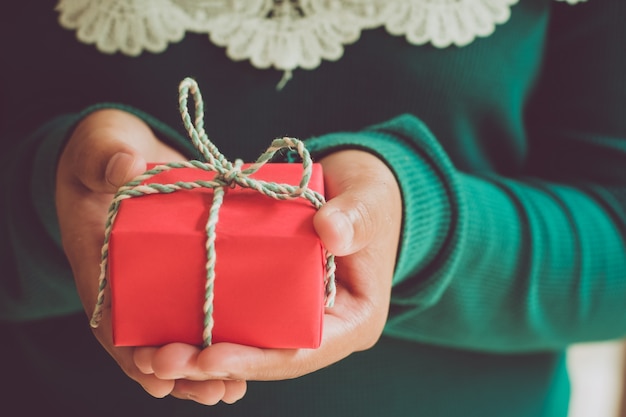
{"x": 510, "y": 153}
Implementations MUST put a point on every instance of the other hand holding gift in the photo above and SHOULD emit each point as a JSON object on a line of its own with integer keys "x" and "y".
{"x": 106, "y": 150}
{"x": 360, "y": 224}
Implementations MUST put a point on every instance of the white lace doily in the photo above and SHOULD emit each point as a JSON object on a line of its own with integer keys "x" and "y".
{"x": 284, "y": 34}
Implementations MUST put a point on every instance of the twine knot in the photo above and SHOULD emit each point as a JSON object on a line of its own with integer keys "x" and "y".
{"x": 232, "y": 176}
{"x": 228, "y": 174}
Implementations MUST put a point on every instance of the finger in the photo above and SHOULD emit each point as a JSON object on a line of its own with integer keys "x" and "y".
{"x": 361, "y": 189}
{"x": 179, "y": 361}
{"x": 142, "y": 356}
{"x": 344, "y": 224}
{"x": 186, "y": 390}
{"x": 104, "y": 151}
{"x": 124, "y": 356}
{"x": 203, "y": 392}
{"x": 235, "y": 390}
{"x": 176, "y": 361}
{"x": 156, "y": 387}
{"x": 239, "y": 362}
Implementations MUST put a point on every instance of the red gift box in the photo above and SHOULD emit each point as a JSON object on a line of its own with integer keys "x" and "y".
{"x": 270, "y": 265}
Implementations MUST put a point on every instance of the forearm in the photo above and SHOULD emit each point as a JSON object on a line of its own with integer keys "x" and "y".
{"x": 501, "y": 264}
{"x": 541, "y": 267}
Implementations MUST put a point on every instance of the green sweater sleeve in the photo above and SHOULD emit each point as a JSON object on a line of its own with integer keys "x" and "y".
{"x": 533, "y": 261}
{"x": 30, "y": 245}
{"x": 36, "y": 278}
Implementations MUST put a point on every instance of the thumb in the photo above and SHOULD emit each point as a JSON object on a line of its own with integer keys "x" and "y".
{"x": 345, "y": 224}
{"x": 363, "y": 195}
{"x": 102, "y": 152}
{"x": 103, "y": 164}
{"x": 122, "y": 167}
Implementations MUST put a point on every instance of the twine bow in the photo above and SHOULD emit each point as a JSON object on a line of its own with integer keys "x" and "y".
{"x": 228, "y": 174}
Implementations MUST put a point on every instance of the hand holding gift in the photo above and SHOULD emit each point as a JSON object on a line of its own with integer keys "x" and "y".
{"x": 360, "y": 223}
{"x": 107, "y": 149}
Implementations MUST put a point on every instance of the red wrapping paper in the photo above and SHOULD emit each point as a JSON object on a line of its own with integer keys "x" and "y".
{"x": 270, "y": 265}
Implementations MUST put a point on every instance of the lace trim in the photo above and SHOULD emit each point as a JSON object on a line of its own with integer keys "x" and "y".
{"x": 446, "y": 22}
{"x": 288, "y": 34}
{"x": 129, "y": 26}
{"x": 284, "y": 34}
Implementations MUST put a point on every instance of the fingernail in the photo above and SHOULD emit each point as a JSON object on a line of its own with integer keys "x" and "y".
{"x": 344, "y": 228}
{"x": 117, "y": 169}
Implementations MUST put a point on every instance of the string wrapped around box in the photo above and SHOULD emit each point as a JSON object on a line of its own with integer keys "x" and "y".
{"x": 228, "y": 174}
